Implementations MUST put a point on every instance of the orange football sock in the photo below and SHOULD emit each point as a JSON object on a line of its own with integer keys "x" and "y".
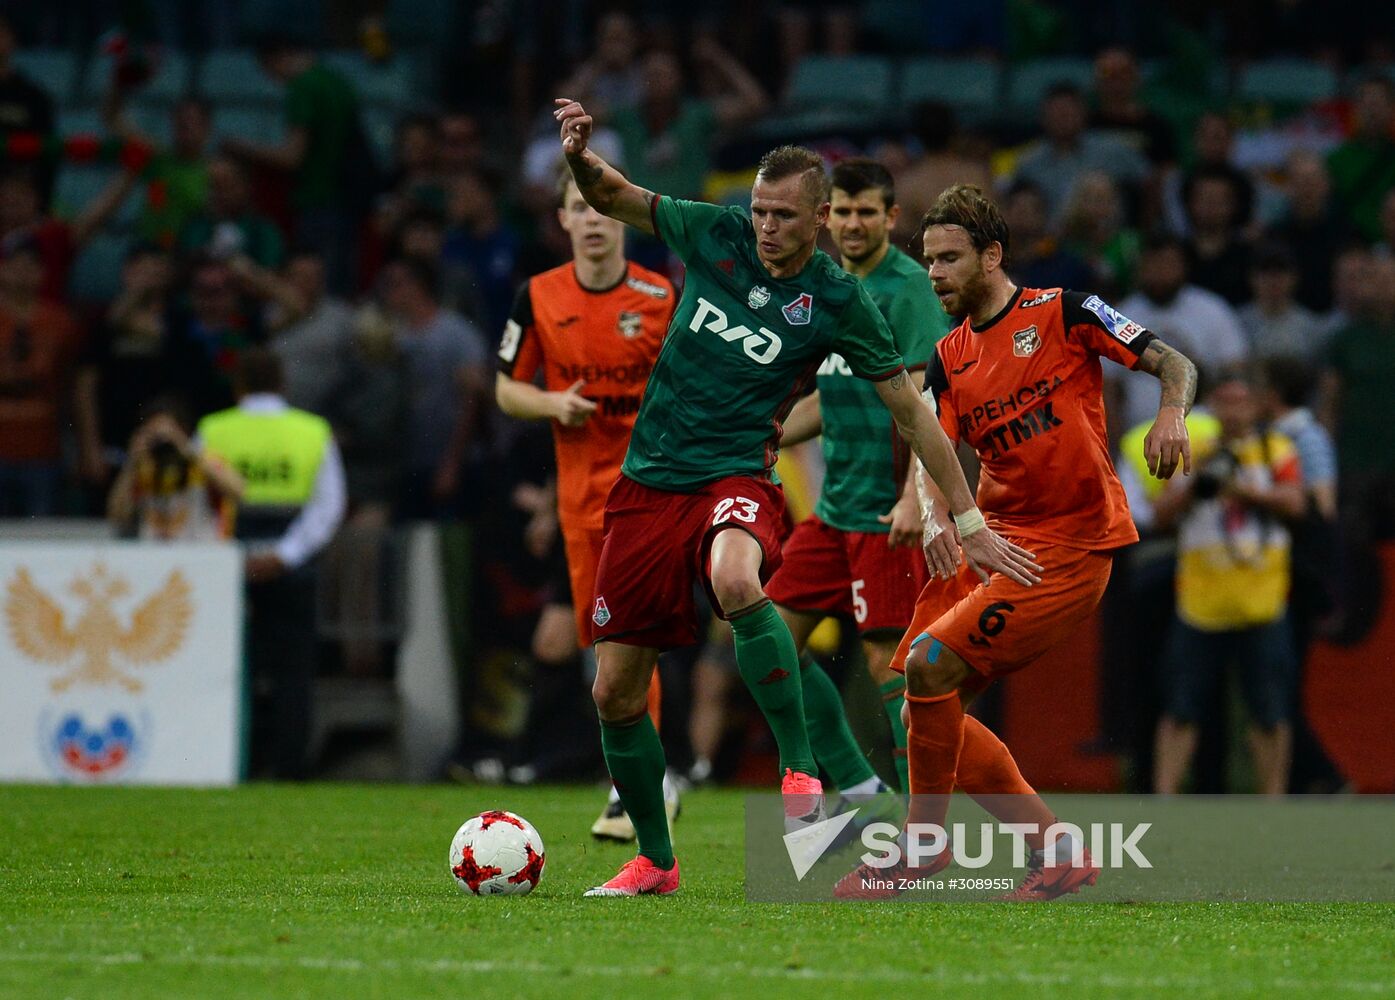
{"x": 989, "y": 774}
{"x": 933, "y": 741}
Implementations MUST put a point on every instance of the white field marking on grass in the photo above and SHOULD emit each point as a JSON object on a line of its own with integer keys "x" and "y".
{"x": 706, "y": 971}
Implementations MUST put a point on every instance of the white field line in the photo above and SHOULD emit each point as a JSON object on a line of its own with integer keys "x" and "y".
{"x": 728, "y": 972}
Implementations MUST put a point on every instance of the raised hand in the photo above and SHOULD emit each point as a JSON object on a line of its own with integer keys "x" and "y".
{"x": 576, "y": 125}
{"x": 988, "y": 551}
{"x": 904, "y": 519}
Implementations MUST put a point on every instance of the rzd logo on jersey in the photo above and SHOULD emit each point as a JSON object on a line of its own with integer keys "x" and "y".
{"x": 760, "y": 346}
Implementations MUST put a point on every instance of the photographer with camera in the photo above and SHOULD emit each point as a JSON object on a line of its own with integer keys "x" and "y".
{"x": 1233, "y": 578}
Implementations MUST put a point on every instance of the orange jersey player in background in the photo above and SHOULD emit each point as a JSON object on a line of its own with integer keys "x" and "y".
{"x": 593, "y": 329}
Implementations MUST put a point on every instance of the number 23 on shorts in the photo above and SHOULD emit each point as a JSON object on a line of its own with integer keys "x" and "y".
{"x": 739, "y": 508}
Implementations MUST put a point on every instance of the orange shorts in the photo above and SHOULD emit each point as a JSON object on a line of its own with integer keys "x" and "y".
{"x": 583, "y": 556}
{"x": 1003, "y": 626}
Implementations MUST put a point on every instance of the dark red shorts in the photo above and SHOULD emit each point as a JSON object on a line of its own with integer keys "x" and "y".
{"x": 657, "y": 543}
{"x": 854, "y": 575}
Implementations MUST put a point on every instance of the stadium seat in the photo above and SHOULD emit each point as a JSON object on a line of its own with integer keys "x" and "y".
{"x": 862, "y": 82}
{"x": 259, "y": 124}
{"x": 55, "y": 70}
{"x": 96, "y": 273}
{"x": 234, "y": 76}
{"x": 1287, "y": 82}
{"x": 380, "y": 125}
{"x": 970, "y": 86}
{"x": 170, "y": 82}
{"x": 79, "y": 121}
{"x": 300, "y": 20}
{"x": 420, "y": 22}
{"x": 392, "y": 84}
{"x": 1028, "y": 82}
{"x": 77, "y": 186}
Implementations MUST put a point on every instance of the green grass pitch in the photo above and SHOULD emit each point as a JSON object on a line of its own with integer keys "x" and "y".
{"x": 342, "y": 891}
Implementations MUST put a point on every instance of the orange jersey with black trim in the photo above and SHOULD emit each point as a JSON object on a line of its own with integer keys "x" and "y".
{"x": 608, "y": 339}
{"x": 1026, "y": 391}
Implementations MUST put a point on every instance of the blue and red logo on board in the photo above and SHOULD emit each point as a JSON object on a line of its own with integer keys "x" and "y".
{"x": 77, "y": 748}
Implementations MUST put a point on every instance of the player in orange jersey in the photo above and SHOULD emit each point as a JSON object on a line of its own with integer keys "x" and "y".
{"x": 1020, "y": 380}
{"x": 593, "y": 328}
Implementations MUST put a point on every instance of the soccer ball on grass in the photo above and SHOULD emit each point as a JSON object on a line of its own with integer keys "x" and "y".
{"x": 496, "y": 854}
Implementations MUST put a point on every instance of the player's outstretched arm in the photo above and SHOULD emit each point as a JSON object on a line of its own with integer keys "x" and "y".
{"x": 804, "y": 422}
{"x": 987, "y": 550}
{"x": 604, "y": 188}
{"x": 1167, "y": 441}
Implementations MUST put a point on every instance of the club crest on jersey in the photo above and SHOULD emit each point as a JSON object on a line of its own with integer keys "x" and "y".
{"x": 601, "y": 616}
{"x": 798, "y": 312}
{"x": 1025, "y": 342}
{"x": 631, "y": 323}
{"x": 758, "y": 296}
{"x": 1123, "y": 329}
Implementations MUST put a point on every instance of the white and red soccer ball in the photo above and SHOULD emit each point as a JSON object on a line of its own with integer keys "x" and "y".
{"x": 496, "y": 854}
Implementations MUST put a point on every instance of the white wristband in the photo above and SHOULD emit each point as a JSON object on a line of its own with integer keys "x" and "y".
{"x": 970, "y": 522}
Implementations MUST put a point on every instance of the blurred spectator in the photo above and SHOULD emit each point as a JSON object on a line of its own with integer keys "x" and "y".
{"x": 446, "y": 360}
{"x": 126, "y": 364}
{"x": 668, "y": 136}
{"x": 1358, "y": 404}
{"x": 325, "y": 151}
{"x": 1233, "y": 576}
{"x": 231, "y": 226}
{"x": 1213, "y": 148}
{"x": 1095, "y": 230}
{"x": 176, "y": 180}
{"x": 292, "y": 504}
{"x": 57, "y": 243}
{"x": 461, "y": 142}
{"x": 39, "y": 344}
{"x": 1198, "y": 323}
{"x": 1386, "y": 246}
{"x": 25, "y": 107}
{"x": 611, "y": 78}
{"x": 1067, "y": 151}
{"x": 1351, "y": 289}
{"x": 1218, "y": 258}
{"x": 1120, "y": 111}
{"x": 479, "y": 241}
{"x": 422, "y": 236}
{"x": 1363, "y": 167}
{"x": 309, "y": 329}
{"x": 940, "y": 165}
{"x": 1037, "y": 260}
{"x": 168, "y": 490}
{"x": 414, "y": 182}
{"x": 208, "y": 338}
{"x": 369, "y": 410}
{"x": 1274, "y": 322}
{"x": 1312, "y": 228}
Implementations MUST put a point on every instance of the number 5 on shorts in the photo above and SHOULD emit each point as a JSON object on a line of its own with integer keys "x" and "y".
{"x": 859, "y": 602}
{"x": 725, "y": 510}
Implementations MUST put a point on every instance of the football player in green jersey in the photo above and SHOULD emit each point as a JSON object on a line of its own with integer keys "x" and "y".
{"x": 761, "y": 309}
{"x": 858, "y": 557}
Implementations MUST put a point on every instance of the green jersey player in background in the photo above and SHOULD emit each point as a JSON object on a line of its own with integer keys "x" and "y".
{"x": 858, "y": 557}
{"x": 761, "y": 309}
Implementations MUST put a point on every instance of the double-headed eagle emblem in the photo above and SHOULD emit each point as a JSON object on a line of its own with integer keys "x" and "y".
{"x": 39, "y": 629}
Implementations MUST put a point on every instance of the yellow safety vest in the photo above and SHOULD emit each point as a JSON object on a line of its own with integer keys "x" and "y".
{"x": 1203, "y": 430}
{"x": 278, "y": 455}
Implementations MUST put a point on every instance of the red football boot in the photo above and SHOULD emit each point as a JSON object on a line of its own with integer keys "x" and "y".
{"x": 637, "y": 877}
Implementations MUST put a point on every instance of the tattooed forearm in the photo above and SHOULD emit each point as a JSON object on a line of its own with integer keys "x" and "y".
{"x": 588, "y": 171}
{"x": 1173, "y": 369}
{"x": 897, "y": 381}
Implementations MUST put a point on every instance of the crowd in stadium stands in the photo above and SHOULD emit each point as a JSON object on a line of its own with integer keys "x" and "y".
{"x": 361, "y": 186}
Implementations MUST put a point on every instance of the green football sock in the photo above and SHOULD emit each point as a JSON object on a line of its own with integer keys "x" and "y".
{"x": 829, "y": 735}
{"x": 769, "y": 664}
{"x": 893, "y": 697}
{"x": 635, "y": 758}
